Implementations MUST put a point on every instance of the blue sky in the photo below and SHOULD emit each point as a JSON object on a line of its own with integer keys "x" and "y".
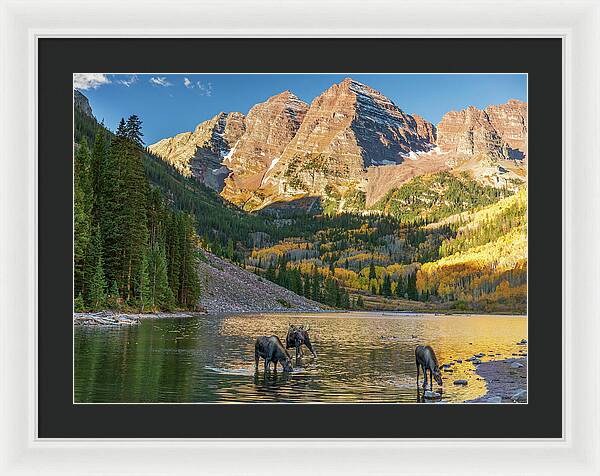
{"x": 173, "y": 103}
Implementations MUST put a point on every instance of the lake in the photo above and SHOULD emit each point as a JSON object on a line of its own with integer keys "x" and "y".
{"x": 362, "y": 357}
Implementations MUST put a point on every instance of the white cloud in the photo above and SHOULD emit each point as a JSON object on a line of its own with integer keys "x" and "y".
{"x": 160, "y": 81}
{"x": 187, "y": 83}
{"x": 128, "y": 82}
{"x": 205, "y": 89}
{"x": 89, "y": 80}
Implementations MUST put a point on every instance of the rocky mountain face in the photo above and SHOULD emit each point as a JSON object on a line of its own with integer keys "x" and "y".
{"x": 200, "y": 153}
{"x": 347, "y": 129}
{"x": 347, "y": 149}
{"x": 425, "y": 129}
{"x": 82, "y": 103}
{"x": 510, "y": 122}
{"x": 269, "y": 128}
{"x": 490, "y": 143}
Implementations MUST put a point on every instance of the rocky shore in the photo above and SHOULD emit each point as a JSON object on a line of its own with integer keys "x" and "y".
{"x": 110, "y": 318}
{"x": 506, "y": 381}
{"x": 227, "y": 288}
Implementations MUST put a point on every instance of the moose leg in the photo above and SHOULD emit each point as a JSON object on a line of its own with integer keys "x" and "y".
{"x": 418, "y": 374}
{"x": 308, "y": 344}
{"x": 425, "y": 377}
{"x": 256, "y": 359}
{"x": 266, "y": 364}
{"x": 430, "y": 380}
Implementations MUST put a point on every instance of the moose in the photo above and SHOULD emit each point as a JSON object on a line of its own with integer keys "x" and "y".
{"x": 425, "y": 358}
{"x": 271, "y": 349}
{"x": 296, "y": 336}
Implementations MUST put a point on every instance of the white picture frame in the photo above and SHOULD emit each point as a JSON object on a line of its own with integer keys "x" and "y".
{"x": 577, "y": 22}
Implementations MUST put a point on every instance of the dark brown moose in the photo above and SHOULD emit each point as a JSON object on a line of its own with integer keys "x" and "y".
{"x": 271, "y": 349}
{"x": 296, "y": 336}
{"x": 425, "y": 359}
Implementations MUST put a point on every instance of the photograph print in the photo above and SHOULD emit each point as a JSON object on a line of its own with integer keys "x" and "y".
{"x": 300, "y": 238}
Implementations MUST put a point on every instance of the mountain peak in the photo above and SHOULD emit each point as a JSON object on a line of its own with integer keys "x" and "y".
{"x": 496, "y": 132}
{"x": 286, "y": 94}
{"x": 288, "y": 100}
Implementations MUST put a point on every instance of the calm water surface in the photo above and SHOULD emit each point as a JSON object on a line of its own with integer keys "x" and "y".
{"x": 362, "y": 357}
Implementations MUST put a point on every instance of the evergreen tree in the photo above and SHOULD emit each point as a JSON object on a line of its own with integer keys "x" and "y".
{"x": 97, "y": 163}
{"x": 113, "y": 298}
{"x": 110, "y": 213}
{"x": 306, "y": 287}
{"x": 173, "y": 250}
{"x": 143, "y": 284}
{"x": 270, "y": 274}
{"x": 295, "y": 279}
{"x": 121, "y": 129}
{"x": 83, "y": 201}
{"x": 161, "y": 295}
{"x": 386, "y": 287}
{"x": 411, "y": 286}
{"x": 79, "y": 304}
{"x": 189, "y": 291}
{"x": 134, "y": 225}
{"x": 133, "y": 131}
{"x": 400, "y": 287}
{"x": 97, "y": 290}
{"x": 345, "y": 299}
{"x": 316, "y": 285}
{"x": 372, "y": 273}
{"x": 92, "y": 256}
{"x": 230, "y": 251}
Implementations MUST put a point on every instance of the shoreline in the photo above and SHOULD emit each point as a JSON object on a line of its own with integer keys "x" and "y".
{"x": 113, "y": 318}
{"x": 503, "y": 381}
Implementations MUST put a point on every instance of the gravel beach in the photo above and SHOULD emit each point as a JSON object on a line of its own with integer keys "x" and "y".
{"x": 504, "y": 379}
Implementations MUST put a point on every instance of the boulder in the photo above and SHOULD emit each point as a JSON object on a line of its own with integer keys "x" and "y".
{"x": 460, "y": 382}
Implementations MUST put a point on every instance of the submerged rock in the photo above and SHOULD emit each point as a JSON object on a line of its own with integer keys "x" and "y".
{"x": 516, "y": 365}
{"x": 431, "y": 395}
{"x": 520, "y": 396}
{"x": 494, "y": 399}
{"x": 460, "y": 382}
